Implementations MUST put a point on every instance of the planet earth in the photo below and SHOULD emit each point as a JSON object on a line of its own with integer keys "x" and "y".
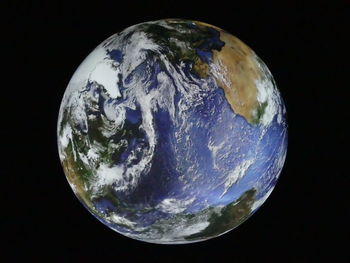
{"x": 172, "y": 131}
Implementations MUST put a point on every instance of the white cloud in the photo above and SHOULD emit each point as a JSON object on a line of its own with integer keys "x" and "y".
{"x": 174, "y": 206}
{"x": 237, "y": 174}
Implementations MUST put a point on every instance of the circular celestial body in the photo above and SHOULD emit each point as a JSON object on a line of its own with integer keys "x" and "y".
{"x": 172, "y": 131}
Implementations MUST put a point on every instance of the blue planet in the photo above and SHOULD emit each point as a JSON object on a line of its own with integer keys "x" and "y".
{"x": 172, "y": 131}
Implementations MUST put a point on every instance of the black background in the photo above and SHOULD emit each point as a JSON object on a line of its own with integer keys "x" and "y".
{"x": 305, "y": 219}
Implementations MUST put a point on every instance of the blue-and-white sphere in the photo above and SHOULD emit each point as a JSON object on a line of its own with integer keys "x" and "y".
{"x": 172, "y": 131}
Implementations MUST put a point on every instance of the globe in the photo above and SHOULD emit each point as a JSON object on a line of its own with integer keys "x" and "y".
{"x": 172, "y": 131}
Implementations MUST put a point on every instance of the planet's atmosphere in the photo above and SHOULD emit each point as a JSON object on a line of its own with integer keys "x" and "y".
{"x": 172, "y": 131}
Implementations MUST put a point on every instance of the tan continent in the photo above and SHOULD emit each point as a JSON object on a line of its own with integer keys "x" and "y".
{"x": 235, "y": 70}
{"x": 74, "y": 177}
